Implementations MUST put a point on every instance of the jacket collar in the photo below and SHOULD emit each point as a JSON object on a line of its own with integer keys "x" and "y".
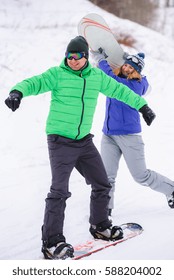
{"x": 82, "y": 72}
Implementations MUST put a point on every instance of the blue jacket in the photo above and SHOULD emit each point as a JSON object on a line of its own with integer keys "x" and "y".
{"x": 121, "y": 119}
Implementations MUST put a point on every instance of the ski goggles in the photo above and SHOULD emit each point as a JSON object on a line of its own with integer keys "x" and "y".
{"x": 76, "y": 56}
{"x": 133, "y": 59}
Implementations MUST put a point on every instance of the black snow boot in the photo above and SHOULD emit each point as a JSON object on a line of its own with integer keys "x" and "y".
{"x": 56, "y": 248}
{"x": 170, "y": 200}
{"x": 61, "y": 251}
{"x": 106, "y": 231}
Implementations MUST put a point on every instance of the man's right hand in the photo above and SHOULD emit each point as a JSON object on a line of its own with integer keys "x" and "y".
{"x": 14, "y": 100}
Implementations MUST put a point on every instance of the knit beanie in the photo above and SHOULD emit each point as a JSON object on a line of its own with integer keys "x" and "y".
{"x": 136, "y": 61}
{"x": 78, "y": 44}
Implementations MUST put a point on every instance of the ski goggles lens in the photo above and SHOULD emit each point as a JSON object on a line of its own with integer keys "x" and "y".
{"x": 133, "y": 59}
{"x": 76, "y": 56}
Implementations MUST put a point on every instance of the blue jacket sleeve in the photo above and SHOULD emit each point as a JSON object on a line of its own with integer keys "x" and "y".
{"x": 138, "y": 87}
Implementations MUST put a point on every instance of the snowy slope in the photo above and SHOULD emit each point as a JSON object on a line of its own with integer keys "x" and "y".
{"x": 34, "y": 35}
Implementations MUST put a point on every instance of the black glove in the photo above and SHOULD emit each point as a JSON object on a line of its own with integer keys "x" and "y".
{"x": 148, "y": 114}
{"x": 14, "y": 99}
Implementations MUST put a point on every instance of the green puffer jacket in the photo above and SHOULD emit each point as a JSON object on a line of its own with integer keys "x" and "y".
{"x": 74, "y": 97}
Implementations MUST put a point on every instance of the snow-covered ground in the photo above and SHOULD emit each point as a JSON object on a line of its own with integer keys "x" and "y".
{"x": 34, "y": 36}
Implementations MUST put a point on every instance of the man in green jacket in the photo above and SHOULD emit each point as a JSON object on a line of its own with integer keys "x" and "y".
{"x": 75, "y": 86}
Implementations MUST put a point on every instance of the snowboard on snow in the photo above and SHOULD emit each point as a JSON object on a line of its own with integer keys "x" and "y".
{"x": 92, "y": 246}
{"x": 97, "y": 33}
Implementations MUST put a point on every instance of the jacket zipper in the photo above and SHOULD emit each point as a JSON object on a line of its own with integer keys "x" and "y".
{"x": 83, "y": 105}
{"x": 107, "y": 122}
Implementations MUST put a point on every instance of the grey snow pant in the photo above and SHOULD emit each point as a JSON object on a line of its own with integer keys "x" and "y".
{"x": 132, "y": 148}
{"x": 64, "y": 155}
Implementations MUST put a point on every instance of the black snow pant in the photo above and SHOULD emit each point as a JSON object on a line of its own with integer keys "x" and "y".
{"x": 64, "y": 155}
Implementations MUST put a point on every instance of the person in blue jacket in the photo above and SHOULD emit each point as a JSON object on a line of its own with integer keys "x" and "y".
{"x": 122, "y": 130}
